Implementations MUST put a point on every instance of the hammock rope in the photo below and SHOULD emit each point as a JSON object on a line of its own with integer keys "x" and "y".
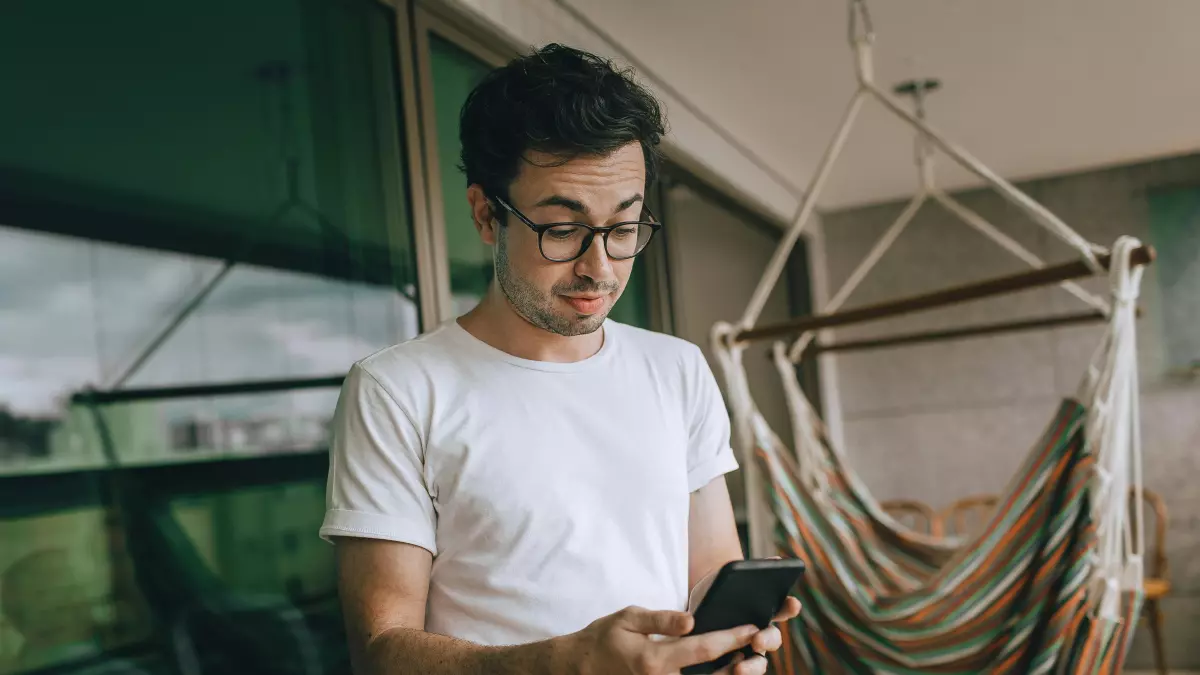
{"x": 929, "y": 190}
{"x": 1053, "y": 583}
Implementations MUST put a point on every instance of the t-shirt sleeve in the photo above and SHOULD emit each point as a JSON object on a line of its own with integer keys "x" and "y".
{"x": 376, "y": 486}
{"x": 709, "y": 452}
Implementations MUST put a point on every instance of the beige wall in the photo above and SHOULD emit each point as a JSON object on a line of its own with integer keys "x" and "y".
{"x": 941, "y": 421}
{"x": 692, "y": 141}
{"x": 716, "y": 259}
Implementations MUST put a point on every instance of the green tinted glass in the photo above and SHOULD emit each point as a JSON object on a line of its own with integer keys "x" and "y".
{"x": 189, "y": 196}
{"x": 1175, "y": 233}
{"x": 634, "y": 306}
{"x": 455, "y": 74}
{"x": 265, "y": 132}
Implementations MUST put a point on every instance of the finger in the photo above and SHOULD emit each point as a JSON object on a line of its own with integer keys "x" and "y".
{"x": 767, "y": 640}
{"x": 755, "y": 665}
{"x": 703, "y": 648}
{"x": 790, "y": 610}
{"x": 729, "y": 669}
{"x": 647, "y": 622}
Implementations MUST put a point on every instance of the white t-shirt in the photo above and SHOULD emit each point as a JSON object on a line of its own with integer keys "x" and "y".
{"x": 551, "y": 494}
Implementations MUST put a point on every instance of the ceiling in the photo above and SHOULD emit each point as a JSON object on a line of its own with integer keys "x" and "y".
{"x": 1030, "y": 87}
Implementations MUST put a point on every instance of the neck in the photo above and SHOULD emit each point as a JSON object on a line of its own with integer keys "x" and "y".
{"x": 495, "y": 322}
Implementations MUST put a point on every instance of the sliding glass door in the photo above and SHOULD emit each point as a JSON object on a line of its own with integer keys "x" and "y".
{"x": 204, "y": 221}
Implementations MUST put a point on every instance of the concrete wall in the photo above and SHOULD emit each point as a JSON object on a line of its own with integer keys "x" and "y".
{"x": 942, "y": 421}
{"x": 716, "y": 258}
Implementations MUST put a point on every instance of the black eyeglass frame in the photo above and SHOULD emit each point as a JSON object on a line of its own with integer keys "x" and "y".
{"x": 604, "y": 231}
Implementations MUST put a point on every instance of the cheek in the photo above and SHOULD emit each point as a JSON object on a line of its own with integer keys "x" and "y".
{"x": 546, "y": 276}
{"x": 526, "y": 262}
{"x": 522, "y": 252}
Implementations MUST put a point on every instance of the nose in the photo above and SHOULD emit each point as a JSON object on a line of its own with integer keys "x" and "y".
{"x": 594, "y": 263}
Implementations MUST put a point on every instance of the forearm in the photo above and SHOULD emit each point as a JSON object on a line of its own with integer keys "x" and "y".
{"x": 402, "y": 651}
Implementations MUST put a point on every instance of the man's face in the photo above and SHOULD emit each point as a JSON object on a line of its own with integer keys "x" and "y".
{"x": 568, "y": 298}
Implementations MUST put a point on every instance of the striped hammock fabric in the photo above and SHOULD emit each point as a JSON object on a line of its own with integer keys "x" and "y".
{"x": 879, "y": 598}
{"x": 1052, "y": 585}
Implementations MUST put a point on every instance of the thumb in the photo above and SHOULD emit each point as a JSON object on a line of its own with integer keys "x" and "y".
{"x": 649, "y": 622}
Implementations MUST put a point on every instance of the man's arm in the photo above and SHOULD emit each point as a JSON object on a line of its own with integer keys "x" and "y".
{"x": 713, "y": 541}
{"x": 712, "y": 535}
{"x": 712, "y": 530}
{"x": 377, "y": 485}
{"x": 383, "y": 586}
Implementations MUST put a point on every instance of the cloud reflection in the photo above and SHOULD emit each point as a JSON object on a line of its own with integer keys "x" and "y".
{"x": 74, "y": 313}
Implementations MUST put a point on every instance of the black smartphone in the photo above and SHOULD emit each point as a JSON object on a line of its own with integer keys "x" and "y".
{"x": 743, "y": 592}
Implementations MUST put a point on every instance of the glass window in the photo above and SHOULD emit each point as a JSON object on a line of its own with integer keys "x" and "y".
{"x": 57, "y": 573}
{"x": 634, "y": 305}
{"x": 275, "y": 144}
{"x": 205, "y": 211}
{"x": 1175, "y": 232}
{"x": 83, "y": 314}
{"x": 455, "y": 73}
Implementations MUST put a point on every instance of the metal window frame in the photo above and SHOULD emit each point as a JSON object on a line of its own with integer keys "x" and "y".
{"x": 424, "y": 23}
{"x": 432, "y": 282}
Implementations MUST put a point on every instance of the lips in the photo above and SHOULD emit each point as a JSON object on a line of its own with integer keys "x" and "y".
{"x": 585, "y": 305}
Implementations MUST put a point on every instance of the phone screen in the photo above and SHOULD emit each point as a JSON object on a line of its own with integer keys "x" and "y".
{"x": 744, "y": 592}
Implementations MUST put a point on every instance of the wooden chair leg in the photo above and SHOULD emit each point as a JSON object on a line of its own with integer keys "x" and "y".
{"x": 1154, "y": 614}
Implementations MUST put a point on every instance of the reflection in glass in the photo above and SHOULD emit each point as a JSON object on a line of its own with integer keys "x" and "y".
{"x": 57, "y": 592}
{"x": 77, "y": 313}
{"x": 194, "y": 197}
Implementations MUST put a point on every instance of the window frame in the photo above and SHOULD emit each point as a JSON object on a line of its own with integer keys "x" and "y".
{"x": 427, "y": 241}
{"x": 426, "y": 22}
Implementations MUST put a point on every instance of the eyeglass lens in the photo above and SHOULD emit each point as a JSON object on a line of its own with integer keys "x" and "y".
{"x": 564, "y": 242}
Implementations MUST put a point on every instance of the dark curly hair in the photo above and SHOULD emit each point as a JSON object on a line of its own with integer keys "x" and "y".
{"x": 558, "y": 100}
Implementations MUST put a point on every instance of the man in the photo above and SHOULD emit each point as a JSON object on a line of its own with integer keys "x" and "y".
{"x": 531, "y": 488}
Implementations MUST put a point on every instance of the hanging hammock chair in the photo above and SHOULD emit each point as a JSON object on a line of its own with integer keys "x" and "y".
{"x": 1053, "y": 582}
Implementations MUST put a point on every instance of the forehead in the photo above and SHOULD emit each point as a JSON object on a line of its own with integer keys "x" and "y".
{"x": 583, "y": 177}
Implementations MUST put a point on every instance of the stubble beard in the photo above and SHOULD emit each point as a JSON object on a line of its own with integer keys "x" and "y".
{"x": 536, "y": 307}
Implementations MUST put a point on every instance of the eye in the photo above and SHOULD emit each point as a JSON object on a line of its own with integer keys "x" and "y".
{"x": 625, "y": 231}
{"x": 562, "y": 233}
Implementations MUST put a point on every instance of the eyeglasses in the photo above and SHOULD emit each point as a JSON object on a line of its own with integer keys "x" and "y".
{"x": 564, "y": 242}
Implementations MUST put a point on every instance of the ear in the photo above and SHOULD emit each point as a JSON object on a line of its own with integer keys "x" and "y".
{"x": 483, "y": 214}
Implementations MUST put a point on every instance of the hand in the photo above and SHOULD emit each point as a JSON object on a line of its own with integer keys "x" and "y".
{"x": 763, "y": 643}
{"x": 621, "y": 644}
{"x": 768, "y": 640}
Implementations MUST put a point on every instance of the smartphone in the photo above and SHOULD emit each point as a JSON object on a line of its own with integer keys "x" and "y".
{"x": 744, "y": 592}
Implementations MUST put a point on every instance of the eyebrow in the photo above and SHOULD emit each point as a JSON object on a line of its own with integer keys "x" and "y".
{"x": 579, "y": 207}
